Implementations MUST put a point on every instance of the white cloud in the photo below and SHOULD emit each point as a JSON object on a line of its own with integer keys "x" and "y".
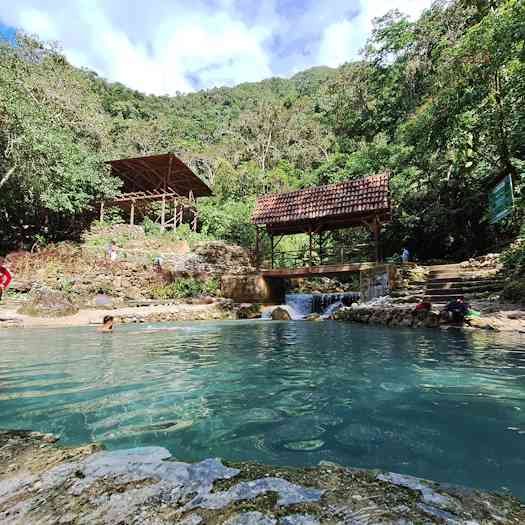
{"x": 342, "y": 40}
{"x": 165, "y": 46}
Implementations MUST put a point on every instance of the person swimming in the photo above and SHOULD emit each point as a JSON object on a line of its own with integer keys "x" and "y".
{"x": 107, "y": 324}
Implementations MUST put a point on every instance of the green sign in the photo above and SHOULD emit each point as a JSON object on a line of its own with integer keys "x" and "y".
{"x": 501, "y": 199}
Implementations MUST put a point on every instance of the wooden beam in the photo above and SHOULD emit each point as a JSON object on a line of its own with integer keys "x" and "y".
{"x": 151, "y": 170}
{"x": 257, "y": 247}
{"x": 310, "y": 247}
{"x": 127, "y": 197}
{"x": 321, "y": 247}
{"x": 163, "y": 214}
{"x": 137, "y": 173}
{"x": 194, "y": 222}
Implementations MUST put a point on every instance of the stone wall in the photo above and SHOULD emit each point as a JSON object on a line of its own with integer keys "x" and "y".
{"x": 377, "y": 281}
{"x": 253, "y": 288}
{"x": 389, "y": 316}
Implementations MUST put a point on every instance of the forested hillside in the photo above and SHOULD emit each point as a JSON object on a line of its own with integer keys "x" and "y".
{"x": 438, "y": 102}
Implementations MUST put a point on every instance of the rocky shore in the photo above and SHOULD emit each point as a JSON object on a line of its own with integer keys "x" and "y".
{"x": 41, "y": 482}
{"x": 217, "y": 310}
{"x": 406, "y": 316}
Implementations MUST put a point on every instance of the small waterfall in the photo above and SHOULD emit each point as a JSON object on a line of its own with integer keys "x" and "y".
{"x": 301, "y": 305}
{"x": 322, "y": 301}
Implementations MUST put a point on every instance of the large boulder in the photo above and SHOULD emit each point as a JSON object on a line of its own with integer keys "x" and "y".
{"x": 214, "y": 257}
{"x": 46, "y": 302}
{"x": 281, "y": 314}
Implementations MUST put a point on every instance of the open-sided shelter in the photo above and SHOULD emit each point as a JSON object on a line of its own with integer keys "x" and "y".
{"x": 319, "y": 209}
{"x": 163, "y": 178}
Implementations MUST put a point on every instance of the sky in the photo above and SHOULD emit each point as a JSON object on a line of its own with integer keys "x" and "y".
{"x": 167, "y": 46}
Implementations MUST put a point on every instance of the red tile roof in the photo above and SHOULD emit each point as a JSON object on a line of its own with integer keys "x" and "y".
{"x": 338, "y": 205}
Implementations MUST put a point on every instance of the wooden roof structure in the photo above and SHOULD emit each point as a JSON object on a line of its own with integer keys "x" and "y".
{"x": 329, "y": 207}
{"x": 156, "y": 177}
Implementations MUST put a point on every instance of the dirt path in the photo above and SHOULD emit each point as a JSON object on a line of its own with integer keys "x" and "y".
{"x": 172, "y": 312}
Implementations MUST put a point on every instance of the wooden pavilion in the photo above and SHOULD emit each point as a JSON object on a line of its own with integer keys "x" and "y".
{"x": 163, "y": 178}
{"x": 316, "y": 210}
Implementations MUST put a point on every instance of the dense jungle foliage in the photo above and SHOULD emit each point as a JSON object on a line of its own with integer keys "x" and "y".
{"x": 438, "y": 102}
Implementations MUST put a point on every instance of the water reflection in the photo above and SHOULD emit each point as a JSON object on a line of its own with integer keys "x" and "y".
{"x": 446, "y": 405}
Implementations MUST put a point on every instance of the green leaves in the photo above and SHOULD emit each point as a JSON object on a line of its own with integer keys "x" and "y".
{"x": 438, "y": 102}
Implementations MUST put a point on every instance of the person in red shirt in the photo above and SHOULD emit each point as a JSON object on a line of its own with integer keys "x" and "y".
{"x": 5, "y": 277}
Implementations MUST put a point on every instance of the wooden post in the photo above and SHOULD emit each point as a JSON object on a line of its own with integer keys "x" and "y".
{"x": 132, "y": 214}
{"x": 194, "y": 222}
{"x": 321, "y": 247}
{"x": 377, "y": 230}
{"x": 257, "y": 246}
{"x": 310, "y": 247}
{"x": 102, "y": 211}
{"x": 271, "y": 246}
{"x": 163, "y": 214}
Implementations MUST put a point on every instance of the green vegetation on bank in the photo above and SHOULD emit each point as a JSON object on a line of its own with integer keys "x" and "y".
{"x": 438, "y": 102}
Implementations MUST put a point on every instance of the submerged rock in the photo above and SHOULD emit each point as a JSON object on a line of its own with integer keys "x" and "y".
{"x": 313, "y": 317}
{"x": 299, "y": 519}
{"x": 251, "y": 518}
{"x": 41, "y": 482}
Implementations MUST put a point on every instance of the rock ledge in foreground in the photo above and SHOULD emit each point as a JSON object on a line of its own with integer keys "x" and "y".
{"x": 44, "y": 483}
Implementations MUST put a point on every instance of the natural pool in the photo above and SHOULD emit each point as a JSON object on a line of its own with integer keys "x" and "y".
{"x": 445, "y": 405}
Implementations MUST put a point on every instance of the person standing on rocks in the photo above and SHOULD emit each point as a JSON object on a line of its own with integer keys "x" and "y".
{"x": 405, "y": 255}
{"x": 5, "y": 277}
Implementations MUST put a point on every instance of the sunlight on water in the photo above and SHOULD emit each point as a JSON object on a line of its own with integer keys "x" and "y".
{"x": 446, "y": 405}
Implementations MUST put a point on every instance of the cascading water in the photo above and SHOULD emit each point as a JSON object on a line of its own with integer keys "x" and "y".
{"x": 300, "y": 305}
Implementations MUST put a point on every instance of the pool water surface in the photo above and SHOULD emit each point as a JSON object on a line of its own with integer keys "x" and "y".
{"x": 445, "y": 405}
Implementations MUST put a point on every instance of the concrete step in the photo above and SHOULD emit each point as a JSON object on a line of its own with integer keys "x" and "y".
{"x": 435, "y": 298}
{"x": 464, "y": 278}
{"x": 443, "y": 267}
{"x": 463, "y": 289}
{"x": 464, "y": 284}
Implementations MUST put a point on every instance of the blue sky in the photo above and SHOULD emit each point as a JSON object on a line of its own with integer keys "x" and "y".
{"x": 166, "y": 46}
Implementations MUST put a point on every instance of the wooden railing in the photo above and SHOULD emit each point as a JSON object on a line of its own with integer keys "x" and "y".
{"x": 302, "y": 258}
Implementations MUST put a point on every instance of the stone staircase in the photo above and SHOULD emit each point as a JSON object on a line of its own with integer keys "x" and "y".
{"x": 446, "y": 282}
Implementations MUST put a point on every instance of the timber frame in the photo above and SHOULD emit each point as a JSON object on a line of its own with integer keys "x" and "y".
{"x": 161, "y": 178}
{"x": 316, "y": 211}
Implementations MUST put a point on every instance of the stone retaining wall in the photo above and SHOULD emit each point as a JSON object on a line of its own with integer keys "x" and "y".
{"x": 390, "y": 316}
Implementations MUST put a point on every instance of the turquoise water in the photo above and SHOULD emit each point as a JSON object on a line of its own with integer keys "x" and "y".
{"x": 446, "y": 405}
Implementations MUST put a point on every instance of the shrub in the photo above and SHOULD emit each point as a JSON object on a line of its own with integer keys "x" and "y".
{"x": 513, "y": 258}
{"x": 186, "y": 287}
{"x": 514, "y": 291}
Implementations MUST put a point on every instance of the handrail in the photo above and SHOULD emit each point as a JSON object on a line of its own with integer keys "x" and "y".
{"x": 302, "y": 258}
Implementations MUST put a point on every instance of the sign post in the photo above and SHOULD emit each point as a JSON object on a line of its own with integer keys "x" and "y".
{"x": 501, "y": 200}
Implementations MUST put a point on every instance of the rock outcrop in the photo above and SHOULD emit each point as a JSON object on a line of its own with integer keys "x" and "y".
{"x": 213, "y": 258}
{"x": 41, "y": 482}
{"x": 45, "y": 302}
{"x": 249, "y": 311}
{"x": 390, "y": 316}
